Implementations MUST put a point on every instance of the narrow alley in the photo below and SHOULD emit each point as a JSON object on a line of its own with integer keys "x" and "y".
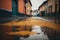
{"x": 29, "y": 20}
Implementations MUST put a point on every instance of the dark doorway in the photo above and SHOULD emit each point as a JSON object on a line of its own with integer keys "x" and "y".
{"x": 14, "y": 7}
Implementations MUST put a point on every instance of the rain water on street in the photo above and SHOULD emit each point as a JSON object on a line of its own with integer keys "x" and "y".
{"x": 39, "y": 36}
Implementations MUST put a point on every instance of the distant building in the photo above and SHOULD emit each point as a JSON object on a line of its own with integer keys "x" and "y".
{"x": 28, "y": 6}
{"x": 34, "y": 12}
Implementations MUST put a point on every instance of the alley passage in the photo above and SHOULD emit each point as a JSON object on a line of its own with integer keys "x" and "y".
{"x": 40, "y": 36}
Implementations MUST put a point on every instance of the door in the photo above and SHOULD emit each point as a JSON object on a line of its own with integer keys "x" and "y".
{"x": 14, "y": 7}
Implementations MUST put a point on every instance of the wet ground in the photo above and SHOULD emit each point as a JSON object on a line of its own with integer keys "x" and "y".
{"x": 36, "y": 21}
{"x": 39, "y": 36}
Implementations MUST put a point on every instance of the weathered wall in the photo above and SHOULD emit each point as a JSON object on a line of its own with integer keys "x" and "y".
{"x": 6, "y": 4}
{"x": 21, "y": 6}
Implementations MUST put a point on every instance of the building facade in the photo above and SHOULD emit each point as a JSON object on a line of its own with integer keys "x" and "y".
{"x": 8, "y": 8}
{"x": 50, "y": 9}
{"x": 42, "y": 8}
{"x": 28, "y": 7}
{"x": 14, "y": 7}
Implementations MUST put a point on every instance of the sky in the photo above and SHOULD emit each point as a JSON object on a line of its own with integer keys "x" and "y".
{"x": 36, "y": 3}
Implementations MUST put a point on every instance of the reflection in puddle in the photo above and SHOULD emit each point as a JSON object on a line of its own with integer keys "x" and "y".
{"x": 36, "y": 29}
{"x": 39, "y": 36}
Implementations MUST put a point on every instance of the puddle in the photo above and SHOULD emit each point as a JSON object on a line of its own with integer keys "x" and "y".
{"x": 40, "y": 36}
